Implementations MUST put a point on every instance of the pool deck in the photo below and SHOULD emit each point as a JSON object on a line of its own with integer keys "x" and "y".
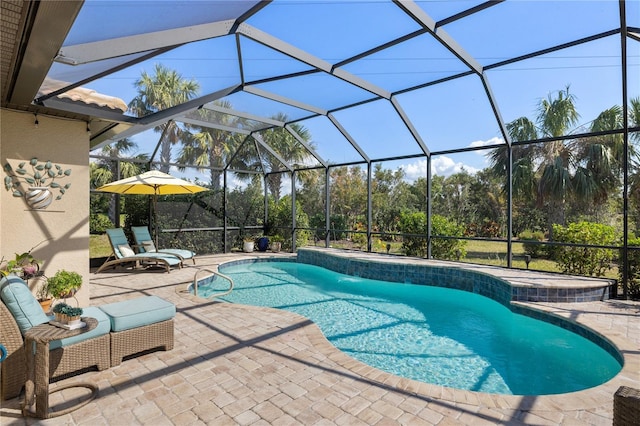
{"x": 243, "y": 365}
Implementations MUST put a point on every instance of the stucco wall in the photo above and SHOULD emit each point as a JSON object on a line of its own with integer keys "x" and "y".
{"x": 61, "y": 232}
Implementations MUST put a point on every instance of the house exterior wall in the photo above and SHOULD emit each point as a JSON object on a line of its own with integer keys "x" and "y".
{"x": 61, "y": 231}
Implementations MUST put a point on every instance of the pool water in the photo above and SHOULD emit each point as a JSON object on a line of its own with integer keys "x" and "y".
{"x": 436, "y": 335}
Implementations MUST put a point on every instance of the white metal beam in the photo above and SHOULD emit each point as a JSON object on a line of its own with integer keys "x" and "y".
{"x": 302, "y": 56}
{"x": 105, "y": 49}
{"x": 262, "y": 143}
{"x": 346, "y": 134}
{"x": 209, "y": 125}
{"x": 420, "y": 16}
{"x": 287, "y": 101}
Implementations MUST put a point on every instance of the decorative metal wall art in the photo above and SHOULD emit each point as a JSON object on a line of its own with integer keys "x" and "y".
{"x": 36, "y": 181}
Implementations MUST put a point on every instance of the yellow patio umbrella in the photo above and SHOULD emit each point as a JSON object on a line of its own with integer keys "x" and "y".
{"x": 153, "y": 183}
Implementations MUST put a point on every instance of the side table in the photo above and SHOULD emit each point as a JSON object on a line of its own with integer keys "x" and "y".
{"x": 37, "y": 384}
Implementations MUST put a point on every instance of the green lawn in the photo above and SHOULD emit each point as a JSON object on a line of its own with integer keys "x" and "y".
{"x": 99, "y": 246}
{"x": 491, "y": 253}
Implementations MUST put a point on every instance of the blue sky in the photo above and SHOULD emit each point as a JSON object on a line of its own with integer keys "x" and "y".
{"x": 451, "y": 115}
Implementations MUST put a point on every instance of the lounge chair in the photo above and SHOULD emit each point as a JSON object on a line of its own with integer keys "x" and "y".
{"x": 145, "y": 244}
{"x": 122, "y": 253}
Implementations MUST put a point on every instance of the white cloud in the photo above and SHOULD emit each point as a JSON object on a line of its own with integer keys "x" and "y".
{"x": 493, "y": 141}
{"x": 415, "y": 170}
{"x": 440, "y": 165}
{"x": 445, "y": 166}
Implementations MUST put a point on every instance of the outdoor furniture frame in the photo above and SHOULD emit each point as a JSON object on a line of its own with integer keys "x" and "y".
{"x": 140, "y": 339}
{"x": 117, "y": 238}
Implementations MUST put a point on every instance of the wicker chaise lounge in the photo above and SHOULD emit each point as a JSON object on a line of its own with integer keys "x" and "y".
{"x": 124, "y": 329}
{"x": 64, "y": 359}
{"x": 122, "y": 253}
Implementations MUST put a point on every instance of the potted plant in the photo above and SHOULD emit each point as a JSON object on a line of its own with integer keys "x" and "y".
{"x": 39, "y": 180}
{"x": 64, "y": 284}
{"x": 263, "y": 243}
{"x": 66, "y": 314}
{"x": 248, "y": 244}
{"x": 44, "y": 297}
{"x": 23, "y": 265}
{"x": 276, "y": 242}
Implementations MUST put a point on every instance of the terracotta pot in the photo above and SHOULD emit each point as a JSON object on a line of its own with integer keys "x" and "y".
{"x": 46, "y": 305}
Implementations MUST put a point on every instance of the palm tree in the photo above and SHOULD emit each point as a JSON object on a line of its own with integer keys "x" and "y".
{"x": 556, "y": 117}
{"x": 584, "y": 169}
{"x": 288, "y": 147}
{"x": 105, "y": 171}
{"x": 543, "y": 169}
{"x": 634, "y": 163}
{"x": 211, "y": 147}
{"x": 164, "y": 89}
{"x": 600, "y": 159}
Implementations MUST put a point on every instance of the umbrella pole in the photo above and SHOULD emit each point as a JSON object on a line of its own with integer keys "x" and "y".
{"x": 155, "y": 216}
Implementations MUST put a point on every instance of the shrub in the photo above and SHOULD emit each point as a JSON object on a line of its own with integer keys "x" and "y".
{"x": 441, "y": 248}
{"x": 99, "y": 223}
{"x": 445, "y": 248}
{"x": 533, "y": 250}
{"x": 280, "y": 222}
{"x": 359, "y": 238}
{"x": 488, "y": 229}
{"x": 633, "y": 269}
{"x": 414, "y": 223}
{"x": 64, "y": 284}
{"x": 584, "y": 260}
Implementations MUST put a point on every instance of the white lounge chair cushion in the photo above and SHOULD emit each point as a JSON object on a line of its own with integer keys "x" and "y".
{"x": 126, "y": 250}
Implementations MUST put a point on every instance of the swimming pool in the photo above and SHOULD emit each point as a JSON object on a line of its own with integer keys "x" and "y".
{"x": 436, "y": 335}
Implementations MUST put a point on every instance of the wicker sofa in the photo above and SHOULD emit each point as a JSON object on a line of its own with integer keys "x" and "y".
{"x": 126, "y": 329}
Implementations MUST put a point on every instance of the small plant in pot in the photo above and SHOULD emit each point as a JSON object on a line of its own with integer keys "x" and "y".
{"x": 276, "y": 242}
{"x": 64, "y": 284}
{"x": 67, "y": 314}
{"x": 23, "y": 265}
{"x": 44, "y": 297}
{"x": 248, "y": 244}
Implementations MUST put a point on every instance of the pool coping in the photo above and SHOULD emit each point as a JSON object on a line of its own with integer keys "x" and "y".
{"x": 501, "y": 284}
{"x": 591, "y": 399}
